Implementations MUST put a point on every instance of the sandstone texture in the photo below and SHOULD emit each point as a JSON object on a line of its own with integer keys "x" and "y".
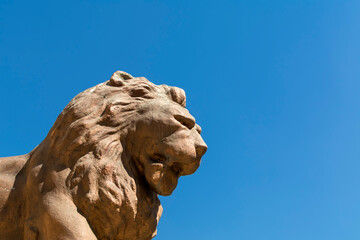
{"x": 98, "y": 173}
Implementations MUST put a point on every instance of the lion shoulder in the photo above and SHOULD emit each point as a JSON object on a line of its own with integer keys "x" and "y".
{"x": 9, "y": 168}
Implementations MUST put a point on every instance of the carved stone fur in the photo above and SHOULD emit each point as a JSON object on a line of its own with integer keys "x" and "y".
{"x": 98, "y": 173}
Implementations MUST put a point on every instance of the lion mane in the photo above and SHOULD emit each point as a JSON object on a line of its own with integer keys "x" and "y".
{"x": 84, "y": 159}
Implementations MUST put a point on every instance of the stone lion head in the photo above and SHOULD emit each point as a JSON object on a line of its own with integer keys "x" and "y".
{"x": 111, "y": 151}
{"x": 132, "y": 118}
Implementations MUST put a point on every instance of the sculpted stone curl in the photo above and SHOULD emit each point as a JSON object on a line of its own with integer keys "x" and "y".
{"x": 98, "y": 173}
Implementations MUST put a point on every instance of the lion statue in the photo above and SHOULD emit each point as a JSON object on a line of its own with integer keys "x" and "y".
{"x": 98, "y": 172}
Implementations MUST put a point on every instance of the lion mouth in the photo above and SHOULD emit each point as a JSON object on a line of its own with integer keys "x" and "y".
{"x": 175, "y": 167}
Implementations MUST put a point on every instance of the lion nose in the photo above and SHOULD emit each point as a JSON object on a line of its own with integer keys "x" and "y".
{"x": 200, "y": 150}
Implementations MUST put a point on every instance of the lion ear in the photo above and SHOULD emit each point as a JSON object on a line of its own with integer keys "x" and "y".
{"x": 178, "y": 95}
{"x": 119, "y": 77}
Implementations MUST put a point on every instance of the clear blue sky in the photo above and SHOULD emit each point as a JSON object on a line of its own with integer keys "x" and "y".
{"x": 275, "y": 86}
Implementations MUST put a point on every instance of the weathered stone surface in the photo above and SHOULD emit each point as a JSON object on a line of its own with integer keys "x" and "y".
{"x": 98, "y": 173}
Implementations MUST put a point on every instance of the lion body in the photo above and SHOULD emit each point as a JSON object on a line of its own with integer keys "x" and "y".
{"x": 27, "y": 223}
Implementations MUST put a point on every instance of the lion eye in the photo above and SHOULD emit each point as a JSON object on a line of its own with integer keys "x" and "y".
{"x": 185, "y": 121}
{"x": 159, "y": 158}
{"x": 138, "y": 92}
{"x": 177, "y": 169}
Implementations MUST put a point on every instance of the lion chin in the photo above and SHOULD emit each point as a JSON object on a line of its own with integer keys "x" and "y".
{"x": 98, "y": 172}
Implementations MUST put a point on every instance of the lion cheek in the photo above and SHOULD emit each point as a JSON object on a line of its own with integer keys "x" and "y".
{"x": 154, "y": 177}
{"x": 161, "y": 179}
{"x": 154, "y": 173}
{"x": 167, "y": 184}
